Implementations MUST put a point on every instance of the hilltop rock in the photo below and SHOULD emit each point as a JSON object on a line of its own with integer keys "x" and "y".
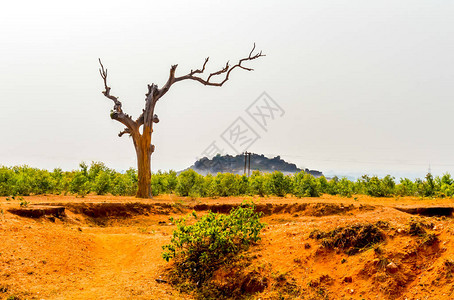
{"x": 235, "y": 164}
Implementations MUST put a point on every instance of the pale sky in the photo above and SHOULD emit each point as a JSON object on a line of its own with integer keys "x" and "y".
{"x": 366, "y": 86}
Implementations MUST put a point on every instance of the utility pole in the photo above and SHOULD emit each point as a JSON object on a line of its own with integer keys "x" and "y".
{"x": 245, "y": 162}
{"x": 249, "y": 166}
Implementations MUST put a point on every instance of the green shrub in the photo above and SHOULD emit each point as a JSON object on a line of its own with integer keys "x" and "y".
{"x": 209, "y": 187}
{"x": 102, "y": 183}
{"x": 59, "y": 181}
{"x": 446, "y": 190}
{"x": 305, "y": 185}
{"x": 120, "y": 185}
{"x": 444, "y": 186}
{"x": 332, "y": 186}
{"x": 226, "y": 184}
{"x": 345, "y": 187}
{"x": 163, "y": 182}
{"x": 79, "y": 184}
{"x": 428, "y": 187}
{"x": 377, "y": 187}
{"x": 257, "y": 184}
{"x": 323, "y": 183}
{"x": 279, "y": 184}
{"x": 200, "y": 248}
{"x": 157, "y": 183}
{"x": 171, "y": 181}
{"x": 124, "y": 184}
{"x": 6, "y": 181}
{"x": 189, "y": 183}
{"x": 242, "y": 184}
{"x": 406, "y": 187}
{"x": 24, "y": 180}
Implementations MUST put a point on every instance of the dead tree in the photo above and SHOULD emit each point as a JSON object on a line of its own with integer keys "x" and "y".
{"x": 142, "y": 139}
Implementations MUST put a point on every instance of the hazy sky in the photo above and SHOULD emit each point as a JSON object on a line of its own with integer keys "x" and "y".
{"x": 366, "y": 86}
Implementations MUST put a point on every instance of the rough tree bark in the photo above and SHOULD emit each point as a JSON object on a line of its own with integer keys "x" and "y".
{"x": 142, "y": 139}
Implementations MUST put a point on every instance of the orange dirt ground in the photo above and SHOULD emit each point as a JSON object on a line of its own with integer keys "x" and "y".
{"x": 99, "y": 251}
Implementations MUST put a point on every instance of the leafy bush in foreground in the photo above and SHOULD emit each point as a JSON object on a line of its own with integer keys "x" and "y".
{"x": 200, "y": 248}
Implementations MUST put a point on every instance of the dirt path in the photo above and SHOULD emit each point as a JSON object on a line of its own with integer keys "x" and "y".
{"x": 126, "y": 266}
{"x": 40, "y": 259}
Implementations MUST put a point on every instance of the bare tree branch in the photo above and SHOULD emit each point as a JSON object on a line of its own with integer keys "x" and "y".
{"x": 140, "y": 119}
{"x": 203, "y": 68}
{"x": 124, "y": 119}
{"x": 126, "y": 130}
{"x": 226, "y": 70}
{"x": 106, "y": 92}
{"x": 170, "y": 81}
{"x": 117, "y": 113}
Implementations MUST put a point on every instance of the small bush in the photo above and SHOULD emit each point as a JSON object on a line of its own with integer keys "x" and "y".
{"x": 200, "y": 248}
{"x": 80, "y": 184}
{"x": 345, "y": 187}
{"x": 377, "y": 187}
{"x": 324, "y": 185}
{"x": 258, "y": 185}
{"x": 189, "y": 183}
{"x": 102, "y": 183}
{"x": 305, "y": 185}
{"x": 226, "y": 184}
{"x": 6, "y": 181}
{"x": 124, "y": 184}
{"x": 279, "y": 184}
{"x": 406, "y": 187}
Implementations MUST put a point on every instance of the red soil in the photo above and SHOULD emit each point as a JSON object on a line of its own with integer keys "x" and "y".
{"x": 119, "y": 256}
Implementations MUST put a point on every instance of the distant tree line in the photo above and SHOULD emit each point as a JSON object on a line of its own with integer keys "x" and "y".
{"x": 101, "y": 180}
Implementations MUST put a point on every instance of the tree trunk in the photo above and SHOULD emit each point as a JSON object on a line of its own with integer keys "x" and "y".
{"x": 144, "y": 150}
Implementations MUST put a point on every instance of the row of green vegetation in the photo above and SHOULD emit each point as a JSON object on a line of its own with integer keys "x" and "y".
{"x": 99, "y": 179}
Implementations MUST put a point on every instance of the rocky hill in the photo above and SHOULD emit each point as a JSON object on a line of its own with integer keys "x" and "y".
{"x": 235, "y": 164}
